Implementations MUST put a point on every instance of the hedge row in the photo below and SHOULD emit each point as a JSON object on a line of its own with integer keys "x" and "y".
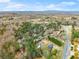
{"x": 55, "y": 40}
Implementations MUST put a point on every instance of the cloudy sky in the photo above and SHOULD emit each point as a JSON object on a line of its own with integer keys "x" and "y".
{"x": 39, "y": 5}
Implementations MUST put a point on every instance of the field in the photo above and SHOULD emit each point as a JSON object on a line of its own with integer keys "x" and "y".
{"x": 37, "y": 35}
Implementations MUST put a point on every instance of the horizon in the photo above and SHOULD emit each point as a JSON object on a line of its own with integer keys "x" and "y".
{"x": 38, "y": 10}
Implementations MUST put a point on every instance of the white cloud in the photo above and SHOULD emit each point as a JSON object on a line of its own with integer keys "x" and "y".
{"x": 15, "y": 5}
{"x": 51, "y": 6}
{"x": 4, "y": 1}
{"x": 67, "y": 3}
{"x": 11, "y": 6}
{"x": 60, "y": 6}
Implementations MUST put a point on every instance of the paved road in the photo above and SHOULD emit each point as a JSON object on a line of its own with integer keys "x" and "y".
{"x": 67, "y": 43}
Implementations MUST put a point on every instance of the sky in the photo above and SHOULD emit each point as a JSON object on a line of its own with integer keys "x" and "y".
{"x": 39, "y": 5}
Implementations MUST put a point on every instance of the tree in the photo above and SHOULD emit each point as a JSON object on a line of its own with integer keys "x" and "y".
{"x": 8, "y": 50}
{"x": 53, "y": 25}
{"x": 54, "y": 52}
{"x": 72, "y": 57}
{"x": 3, "y": 29}
{"x": 31, "y": 33}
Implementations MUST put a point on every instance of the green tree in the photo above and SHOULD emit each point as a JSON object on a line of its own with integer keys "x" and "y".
{"x": 31, "y": 33}
{"x": 54, "y": 52}
{"x": 72, "y": 57}
{"x": 8, "y": 50}
{"x": 54, "y": 25}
